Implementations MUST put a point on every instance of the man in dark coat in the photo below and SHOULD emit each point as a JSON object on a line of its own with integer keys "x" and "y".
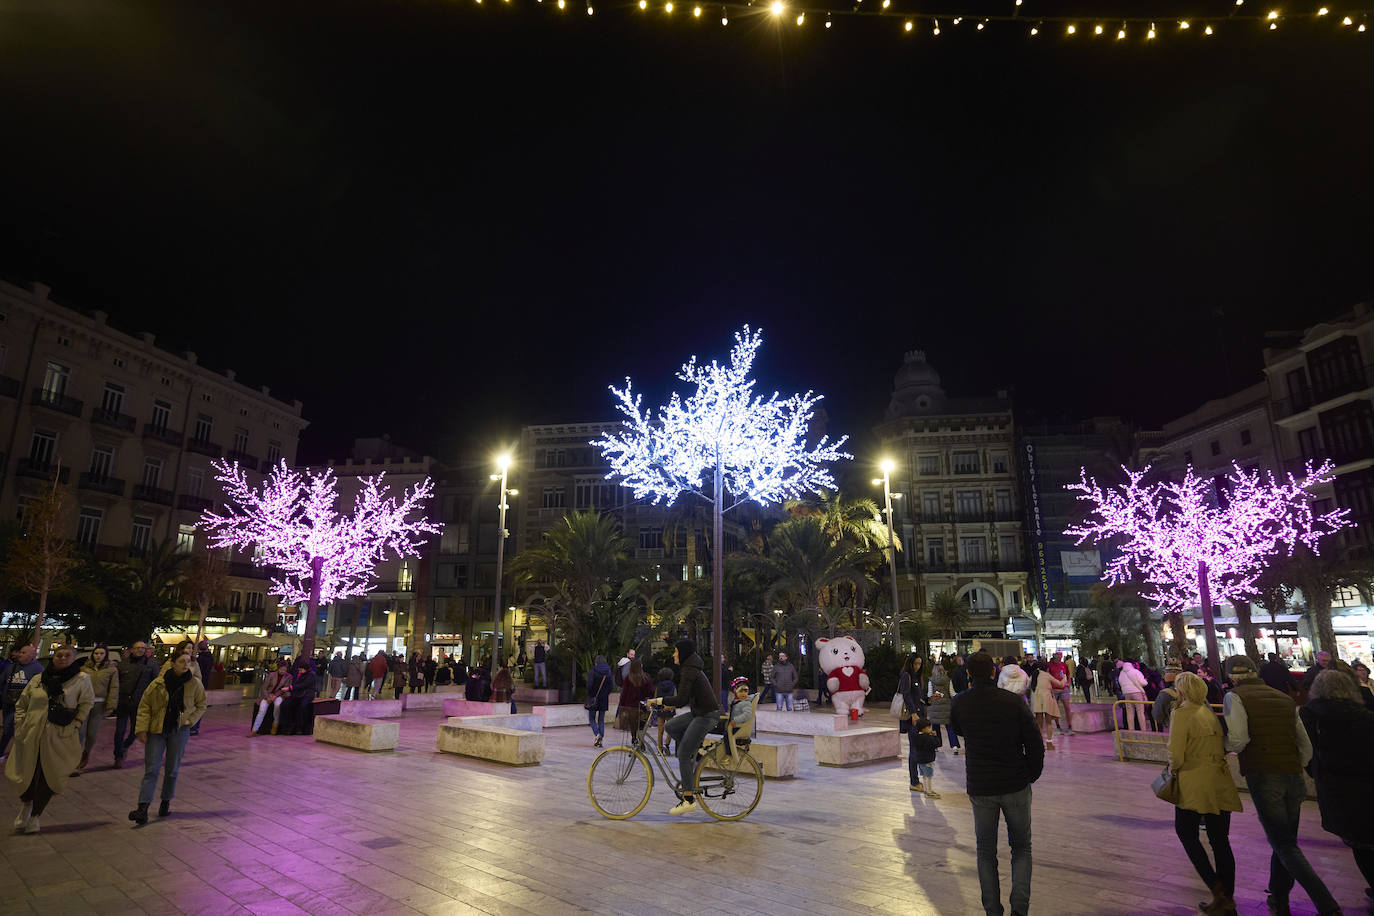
{"x": 1276, "y": 674}
{"x": 136, "y": 672}
{"x": 958, "y": 678}
{"x": 1005, "y": 754}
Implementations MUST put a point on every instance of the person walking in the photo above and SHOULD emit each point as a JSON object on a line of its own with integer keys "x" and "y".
{"x": 275, "y": 688}
{"x": 541, "y": 672}
{"x": 171, "y": 706}
{"x": 695, "y": 691}
{"x": 1013, "y": 678}
{"x": 784, "y": 682}
{"x": 15, "y": 674}
{"x": 599, "y": 685}
{"x": 1060, "y": 669}
{"x": 430, "y": 668}
{"x": 136, "y": 672}
{"x": 338, "y": 671}
{"x": 353, "y": 677}
{"x": 47, "y": 734}
{"x": 1207, "y": 793}
{"x": 1342, "y": 733}
{"x": 416, "y": 673}
{"x": 937, "y": 705}
{"x": 1044, "y": 686}
{"x": 766, "y": 678}
{"x": 1132, "y": 684}
{"x": 1084, "y": 677}
{"x": 636, "y": 690}
{"x": 912, "y": 692}
{"x": 1005, "y": 756}
{"x": 104, "y": 675}
{"x": 377, "y": 670}
{"x": 1264, "y": 731}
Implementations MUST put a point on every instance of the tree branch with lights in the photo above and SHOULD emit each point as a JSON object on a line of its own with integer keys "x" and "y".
{"x": 722, "y": 439}
{"x": 1188, "y": 548}
{"x": 318, "y": 554}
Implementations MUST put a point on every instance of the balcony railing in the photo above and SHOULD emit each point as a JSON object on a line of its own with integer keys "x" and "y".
{"x": 396, "y": 586}
{"x": 194, "y": 503}
{"x": 203, "y": 447}
{"x": 1358, "y": 380}
{"x": 57, "y": 401}
{"x": 243, "y": 458}
{"x": 968, "y": 567}
{"x": 105, "y": 553}
{"x": 159, "y": 433}
{"x": 101, "y": 483}
{"x": 153, "y": 494}
{"x": 9, "y": 387}
{"x": 113, "y": 419}
{"x": 43, "y": 470}
{"x": 246, "y": 570}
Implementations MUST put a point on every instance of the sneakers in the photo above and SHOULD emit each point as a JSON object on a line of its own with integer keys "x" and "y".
{"x": 25, "y": 815}
{"x": 931, "y": 793}
{"x": 31, "y": 826}
{"x": 597, "y": 742}
{"x": 1049, "y": 745}
{"x": 682, "y": 807}
{"x": 956, "y": 752}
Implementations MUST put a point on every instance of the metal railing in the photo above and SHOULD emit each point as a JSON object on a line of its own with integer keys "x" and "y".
{"x": 101, "y": 483}
{"x": 56, "y": 400}
{"x": 113, "y": 419}
{"x": 152, "y": 494}
{"x": 162, "y": 434}
{"x": 1324, "y": 390}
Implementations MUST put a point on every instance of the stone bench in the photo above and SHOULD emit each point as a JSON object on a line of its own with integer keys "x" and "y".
{"x": 457, "y": 706}
{"x": 779, "y": 761}
{"x": 361, "y": 734}
{"x": 857, "y": 745}
{"x": 799, "y": 723}
{"x": 370, "y": 709}
{"x": 411, "y": 701}
{"x": 1089, "y": 719}
{"x": 566, "y": 714}
{"x": 229, "y": 696}
{"x": 525, "y": 721}
{"x": 542, "y": 696}
{"x": 513, "y": 746}
{"x": 448, "y": 688}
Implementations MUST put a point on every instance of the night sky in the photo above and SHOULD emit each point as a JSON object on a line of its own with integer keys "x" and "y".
{"x": 443, "y": 221}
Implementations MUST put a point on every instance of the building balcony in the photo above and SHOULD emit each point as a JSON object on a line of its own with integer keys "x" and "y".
{"x": 162, "y": 434}
{"x": 9, "y": 387}
{"x": 57, "y": 401}
{"x": 194, "y": 503}
{"x": 1298, "y": 466}
{"x": 246, "y": 570}
{"x": 113, "y": 419}
{"x": 243, "y": 458}
{"x": 203, "y": 447}
{"x": 394, "y": 586}
{"x": 973, "y": 515}
{"x": 648, "y": 553}
{"x": 1361, "y": 379}
{"x": 41, "y": 470}
{"x": 100, "y": 483}
{"x": 157, "y": 495}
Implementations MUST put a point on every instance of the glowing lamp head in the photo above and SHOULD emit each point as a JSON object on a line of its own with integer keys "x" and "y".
{"x": 777, "y": 7}
{"x": 1120, "y": 34}
{"x": 1151, "y": 33}
{"x": 1097, "y": 30}
{"x": 668, "y": 7}
{"x": 801, "y": 18}
{"x": 1346, "y": 21}
{"x": 1034, "y": 31}
{"x": 887, "y": 3}
{"x": 1323, "y": 11}
{"x": 696, "y": 11}
{"x": 643, "y": 4}
{"x": 724, "y": 20}
{"x": 1184, "y": 24}
{"x": 589, "y": 10}
{"x": 828, "y": 23}
{"x": 888, "y": 465}
{"x": 1273, "y": 14}
{"x": 1207, "y": 30}
{"x": 1071, "y": 29}
{"x": 909, "y": 25}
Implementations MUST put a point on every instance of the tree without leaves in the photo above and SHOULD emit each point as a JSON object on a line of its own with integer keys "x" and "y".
{"x": 40, "y": 561}
{"x": 205, "y": 583}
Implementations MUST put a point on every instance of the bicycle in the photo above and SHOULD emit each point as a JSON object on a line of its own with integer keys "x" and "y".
{"x": 727, "y": 782}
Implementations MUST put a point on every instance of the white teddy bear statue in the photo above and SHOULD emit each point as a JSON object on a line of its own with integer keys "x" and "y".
{"x": 842, "y": 660}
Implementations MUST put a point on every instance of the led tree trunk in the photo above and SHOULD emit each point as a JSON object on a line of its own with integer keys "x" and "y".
{"x": 1208, "y": 621}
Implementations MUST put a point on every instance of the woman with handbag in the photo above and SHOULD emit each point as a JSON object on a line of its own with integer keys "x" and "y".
{"x": 913, "y": 707}
{"x": 1206, "y": 793}
{"x": 629, "y": 714}
{"x": 599, "y": 686}
{"x": 47, "y": 735}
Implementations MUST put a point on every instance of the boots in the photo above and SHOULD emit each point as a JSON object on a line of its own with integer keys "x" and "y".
{"x": 1221, "y": 903}
{"x": 275, "y": 726}
{"x": 85, "y": 759}
{"x": 140, "y": 814}
{"x": 165, "y": 808}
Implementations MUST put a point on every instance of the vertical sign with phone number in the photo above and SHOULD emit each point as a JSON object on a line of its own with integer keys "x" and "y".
{"x": 1037, "y": 525}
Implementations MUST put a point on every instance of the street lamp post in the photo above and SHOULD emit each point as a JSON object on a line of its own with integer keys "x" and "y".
{"x": 504, "y": 464}
{"x": 888, "y": 496}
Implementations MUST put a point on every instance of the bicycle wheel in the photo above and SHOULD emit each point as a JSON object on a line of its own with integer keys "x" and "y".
{"x": 619, "y": 782}
{"x": 728, "y": 789}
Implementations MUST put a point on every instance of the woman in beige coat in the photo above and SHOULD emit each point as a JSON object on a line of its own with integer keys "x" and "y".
{"x": 47, "y": 735}
{"x": 104, "y": 675}
{"x": 1207, "y": 793}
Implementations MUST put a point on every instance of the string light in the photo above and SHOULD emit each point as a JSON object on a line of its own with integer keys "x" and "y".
{"x": 909, "y": 25}
{"x": 644, "y": 4}
{"x": 958, "y": 19}
{"x": 980, "y": 25}
{"x": 589, "y": 9}
{"x": 562, "y": 4}
{"x": 1097, "y": 30}
{"x": 936, "y": 31}
{"x": 1273, "y": 14}
{"x": 887, "y": 3}
{"x": 668, "y": 7}
{"x": 1361, "y": 28}
{"x": 1273, "y": 26}
{"x": 1323, "y": 11}
{"x": 1034, "y": 31}
{"x": 827, "y": 20}
{"x": 1121, "y": 33}
{"x": 1346, "y": 21}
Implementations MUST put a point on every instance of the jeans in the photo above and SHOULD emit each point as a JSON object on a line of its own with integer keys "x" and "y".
{"x": 688, "y": 731}
{"x": 1186, "y": 825}
{"x": 91, "y": 727}
{"x": 596, "y": 718}
{"x": 262, "y": 712}
{"x": 986, "y": 811}
{"x": 927, "y": 770}
{"x": 912, "y": 767}
{"x": 1278, "y": 802}
{"x": 171, "y": 745}
{"x": 541, "y": 674}
{"x": 377, "y": 687}
{"x": 784, "y": 697}
{"x": 765, "y": 692}
{"x": 125, "y": 720}
{"x": 953, "y": 738}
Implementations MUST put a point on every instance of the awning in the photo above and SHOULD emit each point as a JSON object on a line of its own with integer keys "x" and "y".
{"x": 171, "y": 639}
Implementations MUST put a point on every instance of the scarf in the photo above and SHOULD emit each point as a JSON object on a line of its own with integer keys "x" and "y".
{"x": 54, "y": 683}
{"x": 176, "y": 698}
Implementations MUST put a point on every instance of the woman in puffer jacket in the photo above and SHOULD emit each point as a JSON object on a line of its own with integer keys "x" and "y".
{"x": 104, "y": 675}
{"x": 173, "y": 703}
{"x": 937, "y": 709}
{"x": 1014, "y": 677}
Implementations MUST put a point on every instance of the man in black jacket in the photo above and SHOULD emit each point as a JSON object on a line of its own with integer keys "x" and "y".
{"x": 1005, "y": 754}
{"x": 136, "y": 672}
{"x": 694, "y": 690}
{"x": 958, "y": 678}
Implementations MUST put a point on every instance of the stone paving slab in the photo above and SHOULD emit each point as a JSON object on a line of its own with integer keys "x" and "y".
{"x": 282, "y": 825}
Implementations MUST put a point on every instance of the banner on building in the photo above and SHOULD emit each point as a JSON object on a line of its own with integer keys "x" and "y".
{"x": 1081, "y": 564}
{"x": 1040, "y": 574}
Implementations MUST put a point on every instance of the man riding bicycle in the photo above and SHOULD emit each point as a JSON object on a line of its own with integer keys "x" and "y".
{"x": 693, "y": 689}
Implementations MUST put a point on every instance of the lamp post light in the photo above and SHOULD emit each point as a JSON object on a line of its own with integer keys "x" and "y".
{"x": 888, "y": 496}
{"x": 504, "y": 464}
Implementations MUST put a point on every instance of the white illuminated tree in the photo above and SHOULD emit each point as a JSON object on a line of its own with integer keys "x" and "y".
{"x": 723, "y": 439}
{"x": 1188, "y": 546}
{"x": 319, "y": 555}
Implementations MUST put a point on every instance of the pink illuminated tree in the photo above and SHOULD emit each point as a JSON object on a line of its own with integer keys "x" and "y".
{"x": 1188, "y": 548}
{"x": 319, "y": 555}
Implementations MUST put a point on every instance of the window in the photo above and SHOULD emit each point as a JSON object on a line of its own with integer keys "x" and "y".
{"x": 980, "y": 599}
{"x": 119, "y": 362}
{"x": 240, "y": 440}
{"x": 273, "y": 452}
{"x": 55, "y": 378}
{"x": 102, "y": 459}
{"x": 405, "y": 577}
{"x": 205, "y": 396}
{"x": 254, "y": 602}
{"x": 112, "y": 401}
{"x": 1002, "y": 499}
{"x": 1308, "y": 443}
{"x": 186, "y": 538}
{"x": 162, "y": 415}
{"x": 973, "y": 551}
{"x": 235, "y": 602}
{"x": 999, "y": 464}
{"x": 88, "y": 526}
{"x": 969, "y": 503}
{"x": 553, "y": 497}
{"x": 166, "y": 381}
{"x": 651, "y": 538}
{"x": 486, "y": 575}
{"x": 928, "y": 465}
{"x": 205, "y": 427}
{"x": 966, "y": 462}
{"x": 1215, "y": 446}
{"x": 930, "y": 505}
{"x": 1006, "y": 548}
{"x": 152, "y": 472}
{"x": 41, "y": 447}
{"x": 935, "y": 551}
{"x": 140, "y": 535}
{"x": 1245, "y": 437}
{"x": 243, "y": 411}
{"x": 195, "y": 481}
{"x": 541, "y": 458}
{"x": 63, "y": 341}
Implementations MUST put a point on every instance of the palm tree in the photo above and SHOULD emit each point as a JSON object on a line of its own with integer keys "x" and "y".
{"x": 802, "y": 563}
{"x": 584, "y": 559}
{"x": 856, "y": 520}
{"x": 948, "y": 613}
{"x": 1127, "y": 598}
{"x": 1108, "y": 626}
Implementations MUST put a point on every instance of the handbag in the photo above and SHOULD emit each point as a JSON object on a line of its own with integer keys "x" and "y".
{"x": 1165, "y": 787}
{"x": 904, "y": 721}
{"x": 591, "y": 696}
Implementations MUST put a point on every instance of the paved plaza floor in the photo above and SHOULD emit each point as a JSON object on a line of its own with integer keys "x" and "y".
{"x": 275, "y": 825}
